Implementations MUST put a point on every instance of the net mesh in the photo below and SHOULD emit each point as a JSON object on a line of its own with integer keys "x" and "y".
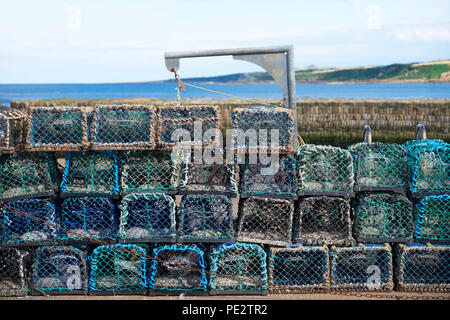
{"x": 59, "y": 270}
{"x": 361, "y": 267}
{"x": 58, "y": 128}
{"x": 428, "y": 167}
{"x": 118, "y": 268}
{"x": 433, "y": 219}
{"x": 28, "y": 175}
{"x": 14, "y": 272}
{"x": 87, "y": 219}
{"x": 90, "y": 173}
{"x": 298, "y": 269}
{"x": 379, "y": 167}
{"x": 263, "y": 220}
{"x": 205, "y": 218}
{"x": 324, "y": 170}
{"x": 323, "y": 220}
{"x": 28, "y": 222}
{"x": 238, "y": 268}
{"x": 178, "y": 268}
{"x": 383, "y": 217}
{"x": 12, "y": 123}
{"x": 258, "y": 179}
{"x": 172, "y": 118}
{"x": 253, "y": 120}
{"x": 147, "y": 217}
{"x": 123, "y": 127}
{"x": 149, "y": 171}
{"x": 423, "y": 267}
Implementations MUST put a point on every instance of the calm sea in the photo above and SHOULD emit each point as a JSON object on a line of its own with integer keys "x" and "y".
{"x": 10, "y": 92}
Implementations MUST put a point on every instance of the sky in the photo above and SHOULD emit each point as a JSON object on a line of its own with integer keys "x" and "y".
{"x": 98, "y": 41}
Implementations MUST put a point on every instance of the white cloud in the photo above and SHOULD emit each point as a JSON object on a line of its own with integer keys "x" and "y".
{"x": 423, "y": 34}
{"x": 374, "y": 17}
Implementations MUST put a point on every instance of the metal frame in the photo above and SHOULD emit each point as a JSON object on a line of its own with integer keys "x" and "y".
{"x": 278, "y": 61}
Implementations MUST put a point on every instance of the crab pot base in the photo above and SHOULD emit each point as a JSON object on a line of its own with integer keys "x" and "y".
{"x": 238, "y": 292}
{"x": 35, "y": 292}
{"x": 118, "y": 293}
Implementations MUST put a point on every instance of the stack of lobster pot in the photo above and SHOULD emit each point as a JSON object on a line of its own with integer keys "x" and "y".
{"x": 423, "y": 265}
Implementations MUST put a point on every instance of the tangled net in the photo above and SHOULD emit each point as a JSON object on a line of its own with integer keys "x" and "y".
{"x": 15, "y": 272}
{"x": 432, "y": 215}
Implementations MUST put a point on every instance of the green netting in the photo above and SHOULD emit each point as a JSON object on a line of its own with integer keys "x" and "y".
{"x": 123, "y": 127}
{"x": 12, "y": 123}
{"x": 94, "y": 173}
{"x": 149, "y": 171}
{"x": 238, "y": 268}
{"x": 324, "y": 170}
{"x": 379, "y": 167}
{"x": 28, "y": 175}
{"x": 383, "y": 217}
{"x": 432, "y": 218}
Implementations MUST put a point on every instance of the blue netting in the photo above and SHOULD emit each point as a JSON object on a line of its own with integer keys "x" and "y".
{"x": 60, "y": 270}
{"x": 254, "y": 119}
{"x": 361, "y": 267}
{"x": 15, "y": 272}
{"x": 324, "y": 170}
{"x": 258, "y": 179}
{"x": 91, "y": 173}
{"x": 28, "y": 222}
{"x": 383, "y": 217}
{"x": 433, "y": 219}
{"x": 298, "y": 268}
{"x": 423, "y": 267}
{"x": 205, "y": 218}
{"x": 118, "y": 268}
{"x": 123, "y": 127}
{"x": 238, "y": 268}
{"x": 60, "y": 128}
{"x": 87, "y": 220}
{"x": 147, "y": 217}
{"x": 178, "y": 268}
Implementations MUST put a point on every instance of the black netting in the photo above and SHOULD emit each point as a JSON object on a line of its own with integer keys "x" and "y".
{"x": 264, "y": 220}
{"x": 178, "y": 268}
{"x": 383, "y": 217}
{"x": 15, "y": 272}
{"x": 123, "y": 127}
{"x": 298, "y": 269}
{"x": 205, "y": 218}
{"x": 12, "y": 123}
{"x": 423, "y": 267}
{"x": 432, "y": 219}
{"x": 59, "y": 270}
{"x": 323, "y": 220}
{"x": 361, "y": 267}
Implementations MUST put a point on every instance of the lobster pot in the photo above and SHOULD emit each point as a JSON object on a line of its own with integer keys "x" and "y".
{"x": 383, "y": 217}
{"x": 28, "y": 222}
{"x": 194, "y": 125}
{"x": 123, "y": 127}
{"x": 15, "y": 272}
{"x": 149, "y": 171}
{"x": 361, "y": 267}
{"x": 262, "y": 129}
{"x": 178, "y": 268}
{"x": 324, "y": 170}
{"x": 238, "y": 268}
{"x": 277, "y": 179}
{"x": 58, "y": 128}
{"x": 200, "y": 177}
{"x": 12, "y": 123}
{"x": 205, "y": 218}
{"x": 28, "y": 175}
{"x": 428, "y": 167}
{"x": 118, "y": 269}
{"x": 92, "y": 173}
{"x": 263, "y": 220}
{"x": 298, "y": 269}
{"x": 147, "y": 217}
{"x": 423, "y": 267}
{"x": 379, "y": 167}
{"x": 323, "y": 220}
{"x": 87, "y": 220}
{"x": 432, "y": 216}
{"x": 59, "y": 270}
